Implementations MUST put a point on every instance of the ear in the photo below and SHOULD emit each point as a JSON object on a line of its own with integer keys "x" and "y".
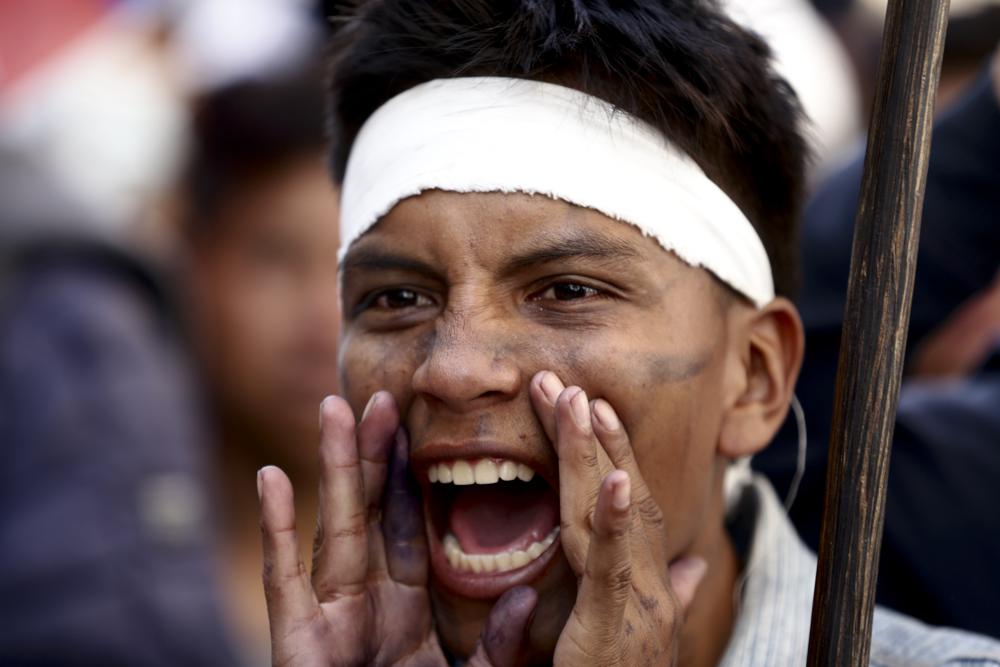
{"x": 765, "y": 357}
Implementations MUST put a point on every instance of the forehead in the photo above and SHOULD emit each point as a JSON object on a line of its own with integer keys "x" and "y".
{"x": 450, "y": 230}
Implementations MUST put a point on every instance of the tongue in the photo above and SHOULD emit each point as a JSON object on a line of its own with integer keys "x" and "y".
{"x": 502, "y": 517}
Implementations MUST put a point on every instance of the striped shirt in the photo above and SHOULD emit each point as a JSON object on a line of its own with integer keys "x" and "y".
{"x": 774, "y": 604}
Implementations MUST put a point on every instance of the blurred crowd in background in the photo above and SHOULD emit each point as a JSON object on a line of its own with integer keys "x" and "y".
{"x": 169, "y": 315}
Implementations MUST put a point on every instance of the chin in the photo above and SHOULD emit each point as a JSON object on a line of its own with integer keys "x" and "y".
{"x": 460, "y": 619}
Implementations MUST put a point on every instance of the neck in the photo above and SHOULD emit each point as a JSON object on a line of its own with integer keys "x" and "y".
{"x": 710, "y": 618}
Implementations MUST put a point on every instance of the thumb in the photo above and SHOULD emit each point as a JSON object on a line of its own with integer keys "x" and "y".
{"x": 505, "y": 634}
{"x": 686, "y": 574}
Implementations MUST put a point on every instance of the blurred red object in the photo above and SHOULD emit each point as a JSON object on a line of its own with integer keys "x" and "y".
{"x": 32, "y": 31}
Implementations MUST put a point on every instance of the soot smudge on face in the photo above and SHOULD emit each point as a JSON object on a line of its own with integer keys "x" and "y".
{"x": 575, "y": 362}
{"x": 384, "y": 352}
{"x": 668, "y": 369}
{"x": 482, "y": 426}
{"x": 514, "y": 350}
{"x": 426, "y": 342}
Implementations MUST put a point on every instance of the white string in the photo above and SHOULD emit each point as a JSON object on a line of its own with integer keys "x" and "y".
{"x": 800, "y": 464}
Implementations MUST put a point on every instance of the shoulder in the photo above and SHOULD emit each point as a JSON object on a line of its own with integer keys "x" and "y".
{"x": 899, "y": 640}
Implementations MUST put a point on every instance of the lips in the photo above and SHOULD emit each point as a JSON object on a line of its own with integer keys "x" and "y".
{"x": 492, "y": 521}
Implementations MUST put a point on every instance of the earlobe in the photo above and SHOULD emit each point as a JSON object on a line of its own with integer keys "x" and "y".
{"x": 770, "y": 346}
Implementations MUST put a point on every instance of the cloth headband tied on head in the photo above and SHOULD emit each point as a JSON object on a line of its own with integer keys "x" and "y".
{"x": 494, "y": 134}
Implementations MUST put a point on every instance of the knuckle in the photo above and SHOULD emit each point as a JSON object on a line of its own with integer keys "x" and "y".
{"x": 619, "y": 579}
{"x": 346, "y": 463}
{"x": 356, "y": 530}
{"x": 619, "y": 444}
{"x": 588, "y": 509}
{"x": 274, "y": 582}
{"x": 614, "y": 531}
{"x": 649, "y": 511}
{"x": 588, "y": 457}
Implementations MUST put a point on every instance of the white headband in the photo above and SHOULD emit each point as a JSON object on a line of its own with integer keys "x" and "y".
{"x": 492, "y": 134}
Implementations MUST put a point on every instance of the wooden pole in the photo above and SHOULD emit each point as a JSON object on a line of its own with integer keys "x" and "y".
{"x": 876, "y": 317}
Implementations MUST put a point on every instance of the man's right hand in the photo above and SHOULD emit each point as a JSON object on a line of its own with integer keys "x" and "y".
{"x": 366, "y": 602}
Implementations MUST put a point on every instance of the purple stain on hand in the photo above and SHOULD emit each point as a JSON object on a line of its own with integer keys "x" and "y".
{"x": 402, "y": 518}
{"x": 505, "y": 634}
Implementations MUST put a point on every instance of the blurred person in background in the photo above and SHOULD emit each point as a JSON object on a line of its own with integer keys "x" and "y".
{"x": 90, "y": 91}
{"x": 942, "y": 530}
{"x": 104, "y": 512}
{"x": 107, "y": 556}
{"x": 973, "y": 26}
{"x": 973, "y": 30}
{"x": 817, "y": 66}
{"x": 260, "y": 276}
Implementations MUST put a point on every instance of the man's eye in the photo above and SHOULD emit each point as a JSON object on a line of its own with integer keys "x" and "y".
{"x": 396, "y": 299}
{"x": 568, "y": 292}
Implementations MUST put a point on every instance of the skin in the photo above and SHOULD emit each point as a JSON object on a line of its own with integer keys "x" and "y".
{"x": 625, "y": 376}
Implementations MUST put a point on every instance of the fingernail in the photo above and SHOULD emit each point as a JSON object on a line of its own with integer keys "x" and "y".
{"x": 580, "y": 408}
{"x": 322, "y": 404}
{"x": 371, "y": 404}
{"x": 699, "y": 567}
{"x": 605, "y": 415}
{"x": 260, "y": 482}
{"x": 694, "y": 568}
{"x": 622, "y": 493}
{"x": 551, "y": 386}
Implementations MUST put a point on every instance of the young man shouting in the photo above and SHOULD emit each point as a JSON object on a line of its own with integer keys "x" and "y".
{"x": 568, "y": 231}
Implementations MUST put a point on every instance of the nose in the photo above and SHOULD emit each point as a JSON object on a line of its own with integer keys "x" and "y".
{"x": 470, "y": 363}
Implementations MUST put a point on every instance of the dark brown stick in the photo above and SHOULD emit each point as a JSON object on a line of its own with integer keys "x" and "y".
{"x": 876, "y": 317}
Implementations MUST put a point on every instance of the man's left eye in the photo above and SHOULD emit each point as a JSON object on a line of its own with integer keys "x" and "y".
{"x": 567, "y": 292}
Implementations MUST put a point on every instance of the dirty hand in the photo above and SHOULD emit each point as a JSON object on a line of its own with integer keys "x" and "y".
{"x": 630, "y": 606}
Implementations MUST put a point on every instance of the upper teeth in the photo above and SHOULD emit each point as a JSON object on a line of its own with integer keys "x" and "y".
{"x": 481, "y": 471}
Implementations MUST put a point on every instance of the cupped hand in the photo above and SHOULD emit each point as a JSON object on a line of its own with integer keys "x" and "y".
{"x": 630, "y": 605}
{"x": 366, "y": 600}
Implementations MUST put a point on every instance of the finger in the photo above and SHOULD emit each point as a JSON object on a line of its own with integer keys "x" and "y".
{"x": 340, "y": 558}
{"x": 403, "y": 524}
{"x": 505, "y": 635}
{"x": 544, "y": 390}
{"x": 607, "y": 581}
{"x": 376, "y": 435}
{"x": 614, "y": 440}
{"x": 580, "y": 473}
{"x": 286, "y": 585}
{"x": 686, "y": 574}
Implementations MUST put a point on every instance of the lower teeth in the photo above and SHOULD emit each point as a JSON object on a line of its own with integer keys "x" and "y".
{"x": 501, "y": 562}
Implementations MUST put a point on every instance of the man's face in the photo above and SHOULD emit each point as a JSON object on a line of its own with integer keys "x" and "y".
{"x": 454, "y": 301}
{"x": 265, "y": 287}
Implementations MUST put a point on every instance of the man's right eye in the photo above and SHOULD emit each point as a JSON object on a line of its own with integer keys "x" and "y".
{"x": 398, "y": 299}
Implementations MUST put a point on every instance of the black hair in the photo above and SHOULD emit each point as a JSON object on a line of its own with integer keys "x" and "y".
{"x": 680, "y": 65}
{"x": 248, "y": 129}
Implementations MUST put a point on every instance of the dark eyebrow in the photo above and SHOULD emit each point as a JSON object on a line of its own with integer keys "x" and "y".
{"x": 591, "y": 245}
{"x": 374, "y": 260}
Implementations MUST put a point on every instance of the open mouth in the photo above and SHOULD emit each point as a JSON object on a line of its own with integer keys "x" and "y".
{"x": 494, "y": 524}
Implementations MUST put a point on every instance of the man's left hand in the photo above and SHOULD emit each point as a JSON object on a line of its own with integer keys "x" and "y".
{"x": 630, "y": 606}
